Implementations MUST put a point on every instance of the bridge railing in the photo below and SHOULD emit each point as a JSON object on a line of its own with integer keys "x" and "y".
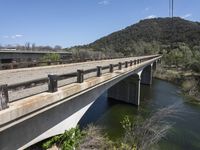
{"x": 52, "y": 79}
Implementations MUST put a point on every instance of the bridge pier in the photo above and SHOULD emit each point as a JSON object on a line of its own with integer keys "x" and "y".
{"x": 154, "y": 65}
{"x": 146, "y": 76}
{"x": 127, "y": 90}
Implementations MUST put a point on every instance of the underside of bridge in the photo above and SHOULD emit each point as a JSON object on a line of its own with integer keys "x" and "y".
{"x": 128, "y": 90}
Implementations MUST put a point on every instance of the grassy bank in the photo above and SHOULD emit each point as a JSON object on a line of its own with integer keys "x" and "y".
{"x": 188, "y": 81}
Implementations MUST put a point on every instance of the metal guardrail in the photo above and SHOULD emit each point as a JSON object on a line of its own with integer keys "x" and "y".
{"x": 52, "y": 79}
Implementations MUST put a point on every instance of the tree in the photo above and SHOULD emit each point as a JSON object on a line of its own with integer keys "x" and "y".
{"x": 51, "y": 57}
{"x": 27, "y": 46}
{"x": 33, "y": 47}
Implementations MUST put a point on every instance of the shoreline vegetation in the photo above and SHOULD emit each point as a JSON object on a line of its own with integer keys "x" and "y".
{"x": 187, "y": 80}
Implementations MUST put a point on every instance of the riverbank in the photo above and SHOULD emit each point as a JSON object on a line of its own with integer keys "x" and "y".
{"x": 187, "y": 80}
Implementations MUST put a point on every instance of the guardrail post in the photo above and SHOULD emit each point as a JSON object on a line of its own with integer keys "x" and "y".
{"x": 48, "y": 63}
{"x": 126, "y": 64}
{"x": 131, "y": 63}
{"x": 52, "y": 83}
{"x": 120, "y": 66}
{"x": 4, "y": 96}
{"x": 135, "y": 62}
{"x": 111, "y": 68}
{"x": 99, "y": 69}
{"x": 80, "y": 76}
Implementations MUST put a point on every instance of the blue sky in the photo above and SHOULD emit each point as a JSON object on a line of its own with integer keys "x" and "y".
{"x": 75, "y": 22}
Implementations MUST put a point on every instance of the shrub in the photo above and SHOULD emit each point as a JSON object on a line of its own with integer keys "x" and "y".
{"x": 66, "y": 141}
{"x": 51, "y": 57}
{"x": 195, "y": 66}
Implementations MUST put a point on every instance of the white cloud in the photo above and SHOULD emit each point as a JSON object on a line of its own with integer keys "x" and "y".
{"x": 186, "y": 16}
{"x": 146, "y": 9}
{"x": 151, "y": 16}
{"x": 104, "y": 2}
{"x": 18, "y": 35}
{"x": 5, "y": 36}
{"x": 13, "y": 36}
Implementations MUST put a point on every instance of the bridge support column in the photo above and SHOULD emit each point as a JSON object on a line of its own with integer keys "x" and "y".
{"x": 154, "y": 66}
{"x": 127, "y": 90}
{"x": 146, "y": 76}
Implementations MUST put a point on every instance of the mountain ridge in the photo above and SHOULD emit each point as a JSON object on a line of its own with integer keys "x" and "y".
{"x": 153, "y": 33}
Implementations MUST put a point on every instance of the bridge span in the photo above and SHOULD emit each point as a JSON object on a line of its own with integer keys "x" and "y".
{"x": 33, "y": 118}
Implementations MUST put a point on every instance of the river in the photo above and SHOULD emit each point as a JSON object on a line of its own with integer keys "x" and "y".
{"x": 185, "y": 132}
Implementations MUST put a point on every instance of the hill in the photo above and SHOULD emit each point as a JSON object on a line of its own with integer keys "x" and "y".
{"x": 178, "y": 41}
{"x": 150, "y": 36}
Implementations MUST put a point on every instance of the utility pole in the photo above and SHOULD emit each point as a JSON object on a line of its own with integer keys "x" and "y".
{"x": 171, "y": 14}
{"x": 170, "y": 8}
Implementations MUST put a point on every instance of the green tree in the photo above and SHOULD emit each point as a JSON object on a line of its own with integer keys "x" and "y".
{"x": 51, "y": 57}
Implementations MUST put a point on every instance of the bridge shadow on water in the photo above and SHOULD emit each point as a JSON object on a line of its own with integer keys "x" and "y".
{"x": 99, "y": 107}
{"x": 103, "y": 105}
{"x": 109, "y": 113}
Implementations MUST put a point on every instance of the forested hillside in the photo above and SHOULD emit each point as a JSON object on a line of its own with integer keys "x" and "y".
{"x": 179, "y": 41}
{"x": 150, "y": 36}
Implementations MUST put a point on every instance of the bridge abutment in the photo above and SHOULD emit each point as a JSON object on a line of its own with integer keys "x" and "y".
{"x": 127, "y": 90}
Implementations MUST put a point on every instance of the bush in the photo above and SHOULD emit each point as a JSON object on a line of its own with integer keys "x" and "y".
{"x": 51, "y": 57}
{"x": 195, "y": 67}
{"x": 95, "y": 139}
{"x": 66, "y": 141}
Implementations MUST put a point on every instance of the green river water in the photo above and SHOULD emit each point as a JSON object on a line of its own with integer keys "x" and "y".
{"x": 185, "y": 133}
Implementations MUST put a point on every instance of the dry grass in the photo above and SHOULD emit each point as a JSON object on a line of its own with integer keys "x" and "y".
{"x": 144, "y": 135}
{"x": 94, "y": 139}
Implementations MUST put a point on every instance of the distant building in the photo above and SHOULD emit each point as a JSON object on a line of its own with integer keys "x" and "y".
{"x": 11, "y": 55}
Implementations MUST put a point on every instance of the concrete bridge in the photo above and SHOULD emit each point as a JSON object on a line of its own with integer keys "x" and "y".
{"x": 34, "y": 118}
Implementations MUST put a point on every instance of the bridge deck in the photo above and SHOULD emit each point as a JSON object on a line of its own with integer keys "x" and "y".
{"x": 27, "y": 74}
